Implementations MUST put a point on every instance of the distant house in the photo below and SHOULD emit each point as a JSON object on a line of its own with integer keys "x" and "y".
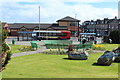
{"x": 71, "y": 23}
{"x": 6, "y": 27}
{"x": 65, "y": 24}
{"x": 101, "y": 27}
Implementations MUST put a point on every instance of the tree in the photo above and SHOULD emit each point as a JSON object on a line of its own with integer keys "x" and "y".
{"x": 5, "y": 48}
{"x": 115, "y": 36}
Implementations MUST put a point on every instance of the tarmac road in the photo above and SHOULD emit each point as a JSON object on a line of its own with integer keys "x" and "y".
{"x": 74, "y": 39}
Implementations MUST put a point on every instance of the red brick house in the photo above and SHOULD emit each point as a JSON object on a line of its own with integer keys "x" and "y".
{"x": 65, "y": 24}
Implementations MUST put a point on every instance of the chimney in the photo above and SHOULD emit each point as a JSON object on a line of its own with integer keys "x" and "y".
{"x": 115, "y": 17}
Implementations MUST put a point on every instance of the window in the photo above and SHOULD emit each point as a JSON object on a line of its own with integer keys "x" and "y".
{"x": 36, "y": 28}
{"x": 106, "y": 22}
{"x": 102, "y": 22}
{"x": 73, "y": 24}
{"x": 23, "y": 29}
{"x": 63, "y": 34}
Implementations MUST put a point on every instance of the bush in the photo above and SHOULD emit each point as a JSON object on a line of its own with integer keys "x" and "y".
{"x": 4, "y": 35}
{"x": 5, "y": 47}
{"x": 6, "y": 52}
{"x": 115, "y": 36}
{"x": 98, "y": 47}
{"x": 26, "y": 48}
{"x": 54, "y": 52}
{"x": 8, "y": 57}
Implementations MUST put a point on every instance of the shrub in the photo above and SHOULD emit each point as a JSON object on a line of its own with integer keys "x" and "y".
{"x": 54, "y": 52}
{"x": 98, "y": 47}
{"x": 26, "y": 48}
{"x": 8, "y": 57}
{"x": 6, "y": 52}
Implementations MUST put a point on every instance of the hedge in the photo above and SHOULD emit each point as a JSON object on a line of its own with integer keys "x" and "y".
{"x": 115, "y": 36}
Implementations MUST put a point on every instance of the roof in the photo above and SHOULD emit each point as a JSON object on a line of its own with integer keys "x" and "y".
{"x": 113, "y": 21}
{"x": 68, "y": 18}
{"x": 105, "y": 21}
{"x": 36, "y": 25}
{"x": 30, "y": 25}
{"x": 6, "y": 25}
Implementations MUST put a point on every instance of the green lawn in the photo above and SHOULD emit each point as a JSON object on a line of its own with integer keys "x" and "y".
{"x": 110, "y": 46}
{"x": 55, "y": 66}
{"x": 0, "y": 75}
{"x": 15, "y": 48}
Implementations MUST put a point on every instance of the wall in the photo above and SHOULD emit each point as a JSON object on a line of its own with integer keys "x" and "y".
{"x": 61, "y": 23}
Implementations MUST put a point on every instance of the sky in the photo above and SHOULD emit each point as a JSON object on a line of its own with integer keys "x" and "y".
{"x": 27, "y": 11}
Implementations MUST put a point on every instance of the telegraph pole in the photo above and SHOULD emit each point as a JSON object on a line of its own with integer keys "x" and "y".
{"x": 39, "y": 21}
{"x": 75, "y": 25}
{"x": 39, "y": 17}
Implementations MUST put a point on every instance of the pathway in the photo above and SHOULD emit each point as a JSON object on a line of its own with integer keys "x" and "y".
{"x": 42, "y": 49}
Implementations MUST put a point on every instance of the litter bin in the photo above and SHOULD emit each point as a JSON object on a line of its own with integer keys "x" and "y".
{"x": 13, "y": 41}
{"x": 34, "y": 44}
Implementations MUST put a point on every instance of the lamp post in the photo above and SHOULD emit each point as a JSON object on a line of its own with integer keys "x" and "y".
{"x": 75, "y": 25}
{"x": 39, "y": 21}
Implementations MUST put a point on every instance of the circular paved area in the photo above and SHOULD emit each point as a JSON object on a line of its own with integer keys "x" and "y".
{"x": 42, "y": 49}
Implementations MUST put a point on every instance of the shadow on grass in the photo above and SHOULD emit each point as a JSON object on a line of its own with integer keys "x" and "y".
{"x": 72, "y": 59}
{"x": 116, "y": 62}
{"x": 96, "y": 64}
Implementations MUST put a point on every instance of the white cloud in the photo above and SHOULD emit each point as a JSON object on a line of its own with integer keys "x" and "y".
{"x": 51, "y": 12}
{"x": 88, "y": 12}
{"x": 86, "y": 1}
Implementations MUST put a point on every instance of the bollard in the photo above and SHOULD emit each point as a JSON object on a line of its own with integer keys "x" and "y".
{"x": 95, "y": 42}
{"x": 13, "y": 41}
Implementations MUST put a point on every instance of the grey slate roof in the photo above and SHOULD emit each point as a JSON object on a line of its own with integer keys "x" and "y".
{"x": 36, "y": 25}
{"x": 109, "y": 21}
{"x": 28, "y": 25}
{"x": 68, "y": 18}
{"x": 113, "y": 21}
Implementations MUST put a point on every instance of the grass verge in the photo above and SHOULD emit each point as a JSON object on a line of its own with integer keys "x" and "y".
{"x": 58, "y": 66}
{"x": 17, "y": 48}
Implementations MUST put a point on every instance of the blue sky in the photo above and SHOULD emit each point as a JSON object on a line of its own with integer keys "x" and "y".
{"x": 113, "y": 5}
{"x": 51, "y": 10}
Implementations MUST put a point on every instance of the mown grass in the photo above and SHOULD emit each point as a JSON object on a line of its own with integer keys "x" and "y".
{"x": 105, "y": 47}
{"x": 0, "y": 75}
{"x": 16, "y": 48}
{"x": 58, "y": 66}
{"x": 110, "y": 47}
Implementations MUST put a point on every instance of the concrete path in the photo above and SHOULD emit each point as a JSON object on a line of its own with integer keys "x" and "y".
{"x": 42, "y": 49}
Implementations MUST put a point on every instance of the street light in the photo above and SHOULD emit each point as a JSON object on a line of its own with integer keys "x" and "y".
{"x": 75, "y": 25}
{"x": 39, "y": 17}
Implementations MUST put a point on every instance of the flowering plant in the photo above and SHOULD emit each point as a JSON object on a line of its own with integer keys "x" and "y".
{"x": 98, "y": 47}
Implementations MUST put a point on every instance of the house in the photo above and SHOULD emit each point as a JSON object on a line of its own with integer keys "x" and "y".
{"x": 101, "y": 27}
{"x": 71, "y": 23}
{"x": 65, "y": 24}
